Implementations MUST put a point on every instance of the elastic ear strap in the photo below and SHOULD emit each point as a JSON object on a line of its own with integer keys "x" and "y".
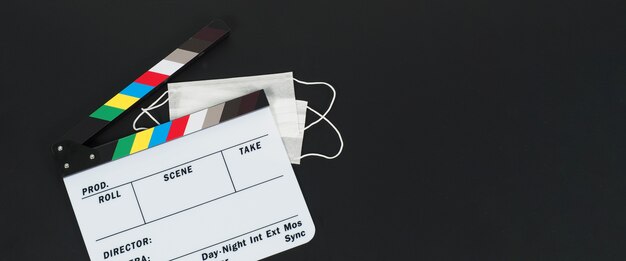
{"x": 147, "y": 111}
{"x": 322, "y": 117}
{"x": 330, "y": 106}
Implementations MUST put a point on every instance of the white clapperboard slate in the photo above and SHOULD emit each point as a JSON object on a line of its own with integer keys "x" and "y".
{"x": 213, "y": 185}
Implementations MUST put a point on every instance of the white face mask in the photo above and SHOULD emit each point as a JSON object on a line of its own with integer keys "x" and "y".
{"x": 289, "y": 113}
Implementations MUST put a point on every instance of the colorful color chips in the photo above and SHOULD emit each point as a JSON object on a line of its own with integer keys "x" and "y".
{"x": 185, "y": 125}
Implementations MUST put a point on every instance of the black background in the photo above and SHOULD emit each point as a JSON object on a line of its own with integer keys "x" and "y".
{"x": 474, "y": 130}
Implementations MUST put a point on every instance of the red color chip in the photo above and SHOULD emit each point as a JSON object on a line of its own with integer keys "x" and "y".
{"x": 151, "y": 78}
{"x": 178, "y": 128}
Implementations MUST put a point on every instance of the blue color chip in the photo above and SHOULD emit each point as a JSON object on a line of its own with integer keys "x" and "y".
{"x": 159, "y": 134}
{"x": 137, "y": 90}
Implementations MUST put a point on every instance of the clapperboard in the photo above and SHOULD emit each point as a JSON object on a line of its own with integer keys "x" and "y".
{"x": 213, "y": 185}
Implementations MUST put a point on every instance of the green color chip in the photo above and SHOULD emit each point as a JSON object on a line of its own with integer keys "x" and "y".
{"x": 123, "y": 146}
{"x": 106, "y": 113}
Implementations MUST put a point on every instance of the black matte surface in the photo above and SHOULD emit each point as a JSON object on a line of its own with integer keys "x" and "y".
{"x": 474, "y": 130}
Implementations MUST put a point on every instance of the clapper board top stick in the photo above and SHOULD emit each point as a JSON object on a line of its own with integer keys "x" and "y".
{"x": 71, "y": 153}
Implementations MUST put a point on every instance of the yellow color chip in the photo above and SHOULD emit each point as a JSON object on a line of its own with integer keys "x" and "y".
{"x": 121, "y": 101}
{"x": 142, "y": 139}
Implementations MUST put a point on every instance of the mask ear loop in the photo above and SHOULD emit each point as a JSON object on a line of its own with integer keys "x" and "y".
{"x": 330, "y": 106}
{"x": 323, "y": 117}
{"x": 338, "y": 135}
{"x": 147, "y": 110}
